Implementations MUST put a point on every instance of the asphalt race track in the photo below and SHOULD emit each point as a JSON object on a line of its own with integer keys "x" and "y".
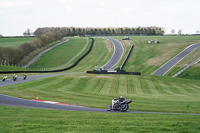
{"x": 30, "y": 78}
{"x": 167, "y": 66}
{"x": 119, "y": 50}
{"x": 17, "y": 102}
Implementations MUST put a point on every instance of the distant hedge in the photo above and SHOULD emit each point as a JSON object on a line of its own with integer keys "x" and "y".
{"x": 78, "y": 31}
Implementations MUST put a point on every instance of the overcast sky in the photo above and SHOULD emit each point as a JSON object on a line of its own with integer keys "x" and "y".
{"x": 18, "y": 15}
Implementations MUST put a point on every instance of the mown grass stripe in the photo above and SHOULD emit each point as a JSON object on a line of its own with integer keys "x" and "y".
{"x": 64, "y": 84}
{"x": 107, "y": 86}
{"x": 151, "y": 86}
{"x": 138, "y": 88}
{"x": 122, "y": 85}
{"x": 115, "y": 85}
{"x": 73, "y": 84}
{"x": 130, "y": 85}
{"x": 159, "y": 87}
{"x": 38, "y": 84}
{"x": 144, "y": 86}
{"x": 80, "y": 85}
{"x": 91, "y": 83}
{"x": 99, "y": 85}
{"x": 133, "y": 83}
{"x": 166, "y": 88}
{"x": 195, "y": 88}
{"x": 179, "y": 89}
{"x": 186, "y": 90}
{"x": 173, "y": 88}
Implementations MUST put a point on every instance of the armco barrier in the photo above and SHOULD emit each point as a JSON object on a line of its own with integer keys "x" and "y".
{"x": 117, "y": 72}
{"x": 121, "y": 68}
{"x": 59, "y": 70}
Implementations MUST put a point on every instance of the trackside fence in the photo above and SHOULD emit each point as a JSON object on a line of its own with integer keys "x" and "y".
{"x": 122, "y": 66}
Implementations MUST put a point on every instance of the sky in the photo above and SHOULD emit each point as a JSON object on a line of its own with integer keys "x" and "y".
{"x": 16, "y": 16}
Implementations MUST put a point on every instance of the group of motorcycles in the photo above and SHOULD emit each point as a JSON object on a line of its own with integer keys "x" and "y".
{"x": 14, "y": 77}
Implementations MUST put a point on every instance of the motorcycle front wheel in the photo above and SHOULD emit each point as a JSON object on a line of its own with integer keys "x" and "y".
{"x": 109, "y": 108}
{"x": 124, "y": 107}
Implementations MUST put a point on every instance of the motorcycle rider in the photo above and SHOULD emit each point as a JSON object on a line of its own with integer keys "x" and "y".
{"x": 4, "y": 78}
{"x": 25, "y": 76}
{"x": 120, "y": 99}
{"x": 116, "y": 102}
{"x": 120, "y": 103}
{"x": 14, "y": 77}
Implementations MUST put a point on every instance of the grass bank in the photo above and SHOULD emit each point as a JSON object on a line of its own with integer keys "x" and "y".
{"x": 146, "y": 58}
{"x": 61, "y": 55}
{"x": 39, "y": 120}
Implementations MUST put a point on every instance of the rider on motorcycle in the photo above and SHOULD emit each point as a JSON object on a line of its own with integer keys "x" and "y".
{"x": 120, "y": 103}
{"x": 117, "y": 101}
{"x": 4, "y": 78}
{"x": 120, "y": 99}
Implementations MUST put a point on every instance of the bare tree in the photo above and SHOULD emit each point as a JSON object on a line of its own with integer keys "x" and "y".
{"x": 179, "y": 32}
{"x": 198, "y": 32}
{"x": 173, "y": 31}
{"x": 27, "y": 32}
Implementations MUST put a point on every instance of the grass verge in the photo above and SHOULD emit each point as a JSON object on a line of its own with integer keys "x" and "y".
{"x": 39, "y": 120}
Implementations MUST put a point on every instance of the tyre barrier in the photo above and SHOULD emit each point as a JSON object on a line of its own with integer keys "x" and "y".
{"x": 59, "y": 70}
{"x": 114, "y": 72}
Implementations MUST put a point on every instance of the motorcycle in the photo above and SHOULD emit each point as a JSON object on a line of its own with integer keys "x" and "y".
{"x": 24, "y": 77}
{"x": 14, "y": 78}
{"x": 4, "y": 78}
{"x": 117, "y": 105}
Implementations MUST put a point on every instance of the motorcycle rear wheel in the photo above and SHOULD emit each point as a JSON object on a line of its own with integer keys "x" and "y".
{"x": 109, "y": 108}
{"x": 124, "y": 107}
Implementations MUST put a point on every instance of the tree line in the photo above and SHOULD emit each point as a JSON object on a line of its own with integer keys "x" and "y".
{"x": 78, "y": 31}
{"x": 10, "y": 56}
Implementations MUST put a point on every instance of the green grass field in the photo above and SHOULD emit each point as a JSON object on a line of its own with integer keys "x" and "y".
{"x": 13, "y": 42}
{"x": 60, "y": 56}
{"x": 146, "y": 58}
{"x": 149, "y": 93}
{"x": 39, "y": 120}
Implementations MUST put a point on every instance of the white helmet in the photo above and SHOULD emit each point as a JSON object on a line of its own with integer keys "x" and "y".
{"x": 121, "y": 97}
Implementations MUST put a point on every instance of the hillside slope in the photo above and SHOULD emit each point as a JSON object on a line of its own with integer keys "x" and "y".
{"x": 146, "y": 58}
